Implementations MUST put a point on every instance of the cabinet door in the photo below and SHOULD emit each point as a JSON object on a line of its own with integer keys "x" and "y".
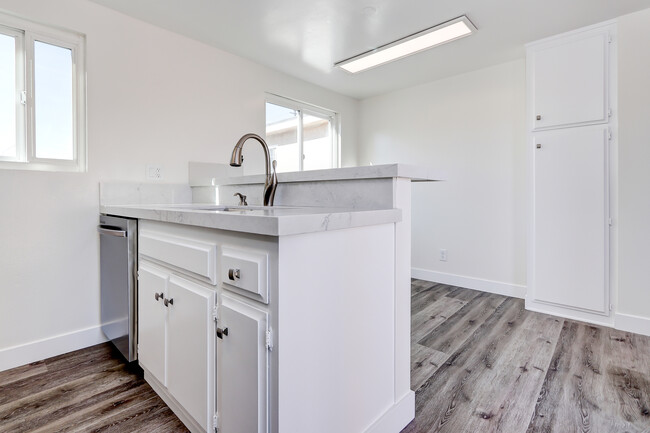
{"x": 190, "y": 348}
{"x": 569, "y": 80}
{"x": 242, "y": 368}
{"x": 571, "y": 228}
{"x": 152, "y": 287}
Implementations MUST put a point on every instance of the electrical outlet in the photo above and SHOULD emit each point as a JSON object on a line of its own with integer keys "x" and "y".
{"x": 443, "y": 255}
{"x": 154, "y": 172}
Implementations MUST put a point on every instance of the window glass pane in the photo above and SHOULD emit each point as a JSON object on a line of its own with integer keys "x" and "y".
{"x": 317, "y": 142}
{"x": 53, "y": 101}
{"x": 282, "y": 137}
{"x": 8, "y": 97}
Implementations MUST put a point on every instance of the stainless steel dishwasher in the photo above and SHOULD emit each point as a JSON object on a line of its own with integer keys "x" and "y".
{"x": 118, "y": 239}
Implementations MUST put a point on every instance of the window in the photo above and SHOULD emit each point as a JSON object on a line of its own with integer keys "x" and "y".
{"x": 42, "y": 97}
{"x": 301, "y": 136}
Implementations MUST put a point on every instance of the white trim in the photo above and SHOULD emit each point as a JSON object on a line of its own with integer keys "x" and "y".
{"x": 16, "y": 356}
{"x": 296, "y": 104}
{"x": 397, "y": 417}
{"x": 490, "y": 286}
{"x": 631, "y": 323}
{"x": 577, "y": 33}
{"x": 71, "y": 166}
{"x": 19, "y": 70}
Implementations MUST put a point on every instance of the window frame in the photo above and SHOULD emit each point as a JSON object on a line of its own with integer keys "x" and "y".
{"x": 303, "y": 108}
{"x": 27, "y": 33}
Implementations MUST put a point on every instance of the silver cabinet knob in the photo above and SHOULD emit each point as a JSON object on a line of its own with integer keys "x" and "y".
{"x": 233, "y": 274}
{"x": 539, "y": 117}
{"x": 539, "y": 146}
{"x": 168, "y": 302}
{"x": 158, "y": 296}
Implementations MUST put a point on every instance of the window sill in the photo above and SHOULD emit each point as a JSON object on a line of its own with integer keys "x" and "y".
{"x": 68, "y": 166}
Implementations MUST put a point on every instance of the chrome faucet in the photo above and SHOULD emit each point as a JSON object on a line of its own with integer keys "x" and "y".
{"x": 271, "y": 182}
{"x": 242, "y": 198}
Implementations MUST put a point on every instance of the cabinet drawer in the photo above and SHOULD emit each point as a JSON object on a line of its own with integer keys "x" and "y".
{"x": 196, "y": 257}
{"x": 245, "y": 272}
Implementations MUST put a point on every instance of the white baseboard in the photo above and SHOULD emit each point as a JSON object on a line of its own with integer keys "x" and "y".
{"x": 497, "y": 287}
{"x": 16, "y": 356}
{"x": 397, "y": 417}
{"x": 630, "y": 323}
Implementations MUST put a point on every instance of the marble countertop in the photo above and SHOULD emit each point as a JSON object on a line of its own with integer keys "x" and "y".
{"x": 415, "y": 173}
{"x": 273, "y": 221}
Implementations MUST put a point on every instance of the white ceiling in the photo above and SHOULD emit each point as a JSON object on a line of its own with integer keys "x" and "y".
{"x": 304, "y": 38}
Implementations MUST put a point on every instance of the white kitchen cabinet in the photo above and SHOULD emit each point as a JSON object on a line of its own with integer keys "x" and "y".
{"x": 293, "y": 351}
{"x": 568, "y": 80}
{"x": 242, "y": 367}
{"x": 152, "y": 318}
{"x": 333, "y": 287}
{"x": 176, "y": 339}
{"x": 571, "y": 150}
{"x": 571, "y": 229}
{"x": 190, "y": 335}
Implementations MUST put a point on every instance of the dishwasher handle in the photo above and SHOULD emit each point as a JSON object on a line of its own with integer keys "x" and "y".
{"x": 111, "y": 232}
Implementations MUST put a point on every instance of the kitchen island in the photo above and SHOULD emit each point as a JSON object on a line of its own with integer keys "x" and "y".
{"x": 286, "y": 319}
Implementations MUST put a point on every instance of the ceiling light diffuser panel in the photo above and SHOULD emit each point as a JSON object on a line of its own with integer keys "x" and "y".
{"x": 432, "y": 37}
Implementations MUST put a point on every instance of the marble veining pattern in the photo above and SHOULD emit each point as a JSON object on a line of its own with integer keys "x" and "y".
{"x": 415, "y": 173}
{"x": 353, "y": 194}
{"x": 112, "y": 193}
{"x": 273, "y": 221}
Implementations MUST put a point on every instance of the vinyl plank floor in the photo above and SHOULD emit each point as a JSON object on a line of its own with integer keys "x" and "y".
{"x": 432, "y": 315}
{"x": 89, "y": 390}
{"x": 19, "y": 373}
{"x": 446, "y": 399}
{"x": 453, "y": 332}
{"x": 588, "y": 385}
{"x": 492, "y": 366}
{"x": 424, "y": 298}
{"x": 479, "y": 363}
{"x": 424, "y": 362}
{"x": 421, "y": 285}
{"x": 507, "y": 390}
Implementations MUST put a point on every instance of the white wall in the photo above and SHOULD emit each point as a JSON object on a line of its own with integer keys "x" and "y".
{"x": 471, "y": 127}
{"x": 153, "y": 97}
{"x": 634, "y": 165}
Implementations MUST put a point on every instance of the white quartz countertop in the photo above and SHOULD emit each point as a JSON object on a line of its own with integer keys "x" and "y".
{"x": 415, "y": 173}
{"x": 273, "y": 221}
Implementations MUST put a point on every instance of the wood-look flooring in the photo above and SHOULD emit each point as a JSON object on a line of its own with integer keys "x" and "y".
{"x": 89, "y": 390}
{"x": 480, "y": 363}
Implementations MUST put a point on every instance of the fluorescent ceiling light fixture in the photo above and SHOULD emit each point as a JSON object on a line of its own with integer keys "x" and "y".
{"x": 420, "y": 41}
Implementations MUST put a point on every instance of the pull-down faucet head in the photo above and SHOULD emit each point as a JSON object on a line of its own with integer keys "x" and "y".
{"x": 236, "y": 159}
